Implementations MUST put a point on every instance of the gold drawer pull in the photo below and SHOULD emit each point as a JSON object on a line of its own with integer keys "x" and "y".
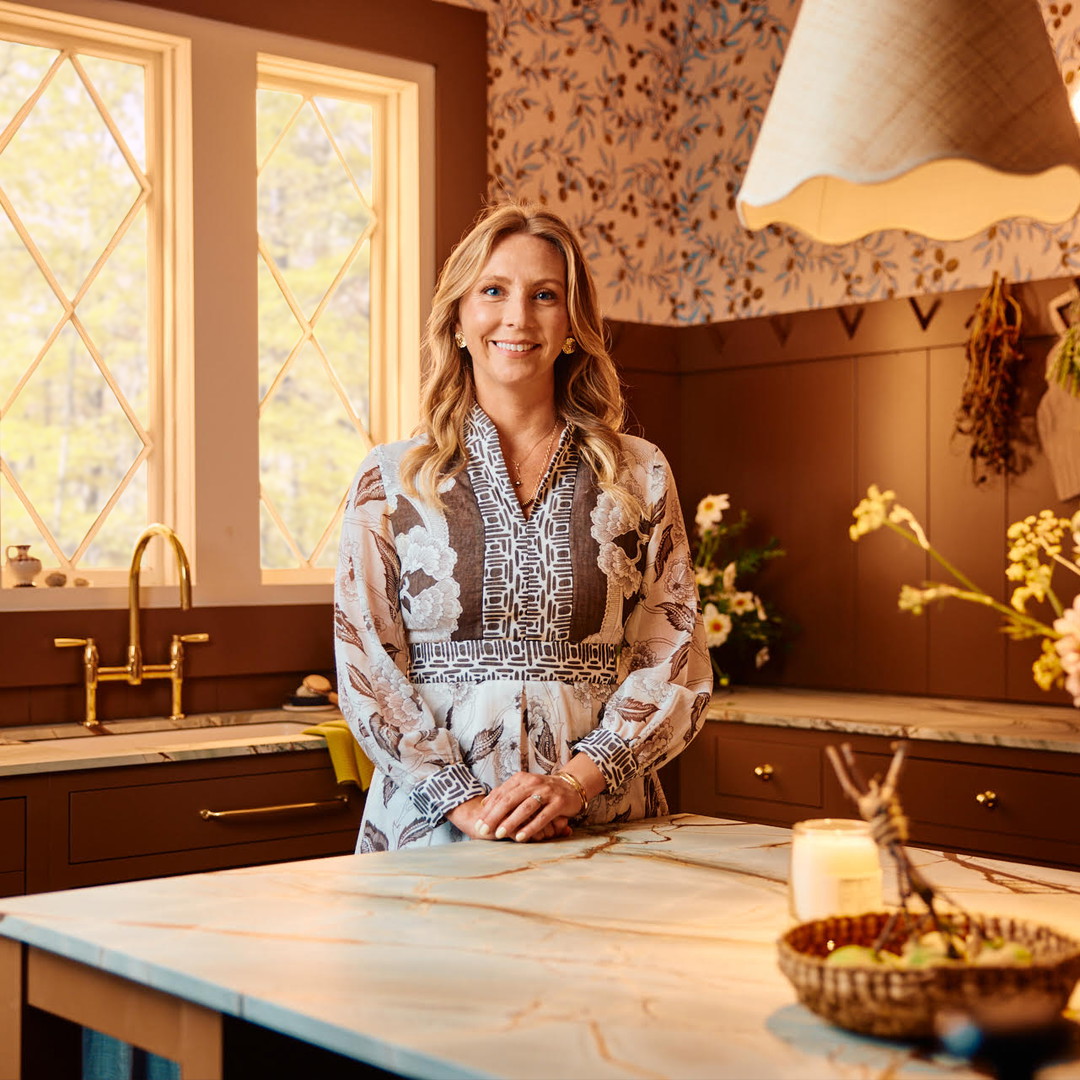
{"x": 763, "y": 772}
{"x": 338, "y": 802}
{"x": 987, "y": 799}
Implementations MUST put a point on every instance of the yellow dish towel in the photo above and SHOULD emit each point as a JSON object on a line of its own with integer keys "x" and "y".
{"x": 351, "y": 764}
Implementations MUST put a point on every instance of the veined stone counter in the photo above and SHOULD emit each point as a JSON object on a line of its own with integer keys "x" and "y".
{"x": 45, "y": 748}
{"x": 646, "y": 951}
{"x": 1028, "y": 727}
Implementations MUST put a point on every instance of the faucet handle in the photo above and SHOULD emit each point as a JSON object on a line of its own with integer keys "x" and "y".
{"x": 192, "y": 638}
{"x": 72, "y": 642}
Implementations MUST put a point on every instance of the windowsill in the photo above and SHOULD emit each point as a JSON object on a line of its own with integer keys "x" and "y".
{"x": 160, "y": 596}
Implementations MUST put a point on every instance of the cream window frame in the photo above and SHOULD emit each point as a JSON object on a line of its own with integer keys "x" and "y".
{"x": 213, "y": 324}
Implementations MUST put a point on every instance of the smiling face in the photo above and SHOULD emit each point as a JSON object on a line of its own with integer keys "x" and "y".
{"x": 514, "y": 318}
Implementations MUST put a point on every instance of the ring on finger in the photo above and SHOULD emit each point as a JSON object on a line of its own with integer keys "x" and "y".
{"x": 539, "y": 801}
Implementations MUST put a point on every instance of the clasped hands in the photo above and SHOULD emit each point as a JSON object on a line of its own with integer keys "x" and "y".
{"x": 527, "y": 806}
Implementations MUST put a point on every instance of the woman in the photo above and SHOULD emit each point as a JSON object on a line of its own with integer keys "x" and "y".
{"x": 518, "y": 636}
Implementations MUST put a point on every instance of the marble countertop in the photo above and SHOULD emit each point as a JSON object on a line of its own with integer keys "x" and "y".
{"x": 44, "y": 748}
{"x": 60, "y": 747}
{"x": 645, "y": 951}
{"x": 1029, "y": 727}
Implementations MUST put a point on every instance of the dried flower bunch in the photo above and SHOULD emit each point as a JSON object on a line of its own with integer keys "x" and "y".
{"x": 739, "y": 625}
{"x": 987, "y": 411}
{"x": 1035, "y": 550}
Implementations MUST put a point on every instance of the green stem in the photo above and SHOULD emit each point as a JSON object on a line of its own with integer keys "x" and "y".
{"x": 941, "y": 560}
{"x": 974, "y": 593}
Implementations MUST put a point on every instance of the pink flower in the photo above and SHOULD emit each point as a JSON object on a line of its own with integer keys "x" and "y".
{"x": 1068, "y": 648}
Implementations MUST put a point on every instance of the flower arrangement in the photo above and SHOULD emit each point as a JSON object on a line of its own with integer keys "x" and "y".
{"x": 1035, "y": 547}
{"x": 739, "y": 625}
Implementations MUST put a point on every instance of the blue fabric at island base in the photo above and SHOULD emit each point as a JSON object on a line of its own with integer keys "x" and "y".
{"x": 106, "y": 1058}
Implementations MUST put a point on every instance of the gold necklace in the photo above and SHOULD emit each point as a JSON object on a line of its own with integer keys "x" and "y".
{"x": 547, "y": 461}
{"x": 517, "y": 464}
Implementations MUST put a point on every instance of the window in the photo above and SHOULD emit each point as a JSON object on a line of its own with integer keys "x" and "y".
{"x": 219, "y": 285}
{"x": 84, "y": 260}
{"x": 326, "y": 242}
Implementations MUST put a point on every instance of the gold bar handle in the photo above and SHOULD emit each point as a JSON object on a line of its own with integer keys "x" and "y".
{"x": 338, "y": 802}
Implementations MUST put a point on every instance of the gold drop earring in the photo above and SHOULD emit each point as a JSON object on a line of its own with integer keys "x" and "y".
{"x": 569, "y": 345}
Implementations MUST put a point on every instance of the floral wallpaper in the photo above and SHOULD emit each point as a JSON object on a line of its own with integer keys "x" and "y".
{"x": 636, "y": 119}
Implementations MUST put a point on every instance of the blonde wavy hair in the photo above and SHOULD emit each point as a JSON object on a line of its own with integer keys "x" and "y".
{"x": 588, "y": 393}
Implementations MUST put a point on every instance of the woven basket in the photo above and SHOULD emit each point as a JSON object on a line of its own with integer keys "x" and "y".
{"x": 901, "y": 1003}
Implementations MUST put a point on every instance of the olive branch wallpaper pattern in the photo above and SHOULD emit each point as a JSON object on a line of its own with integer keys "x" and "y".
{"x": 635, "y": 118}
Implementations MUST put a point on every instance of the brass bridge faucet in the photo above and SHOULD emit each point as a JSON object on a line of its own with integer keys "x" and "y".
{"x": 134, "y": 671}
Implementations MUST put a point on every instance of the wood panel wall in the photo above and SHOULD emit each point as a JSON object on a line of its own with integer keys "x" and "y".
{"x": 794, "y": 416}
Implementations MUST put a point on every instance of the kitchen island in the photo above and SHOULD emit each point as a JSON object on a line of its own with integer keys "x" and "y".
{"x": 646, "y": 950}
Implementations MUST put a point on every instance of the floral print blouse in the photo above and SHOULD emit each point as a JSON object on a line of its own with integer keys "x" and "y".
{"x": 473, "y": 642}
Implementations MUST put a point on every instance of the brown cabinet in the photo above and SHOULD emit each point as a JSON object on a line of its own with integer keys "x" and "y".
{"x": 95, "y": 826}
{"x": 986, "y": 800}
{"x": 12, "y": 846}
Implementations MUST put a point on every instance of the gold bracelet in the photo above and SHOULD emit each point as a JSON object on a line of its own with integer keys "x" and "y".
{"x": 576, "y": 784}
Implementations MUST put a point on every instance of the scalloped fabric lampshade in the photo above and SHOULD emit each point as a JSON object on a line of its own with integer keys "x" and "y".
{"x": 936, "y": 116}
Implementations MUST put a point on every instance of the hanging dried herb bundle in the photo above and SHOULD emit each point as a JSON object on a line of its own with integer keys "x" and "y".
{"x": 987, "y": 412}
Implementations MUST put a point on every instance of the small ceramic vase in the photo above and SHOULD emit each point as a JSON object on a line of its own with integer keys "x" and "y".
{"x": 22, "y": 566}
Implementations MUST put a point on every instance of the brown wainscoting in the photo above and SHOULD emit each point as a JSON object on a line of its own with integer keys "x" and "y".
{"x": 255, "y": 658}
{"x": 794, "y": 417}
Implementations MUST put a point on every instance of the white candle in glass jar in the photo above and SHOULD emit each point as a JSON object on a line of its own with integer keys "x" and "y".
{"x": 835, "y": 869}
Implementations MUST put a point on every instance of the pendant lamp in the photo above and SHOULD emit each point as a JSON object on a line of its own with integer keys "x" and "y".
{"x": 936, "y": 116}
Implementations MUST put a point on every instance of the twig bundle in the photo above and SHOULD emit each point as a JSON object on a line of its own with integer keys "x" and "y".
{"x": 879, "y": 804}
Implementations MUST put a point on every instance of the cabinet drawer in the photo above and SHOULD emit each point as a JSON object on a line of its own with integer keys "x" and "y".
{"x": 778, "y": 772}
{"x": 12, "y": 835}
{"x": 1014, "y": 802}
{"x": 148, "y": 819}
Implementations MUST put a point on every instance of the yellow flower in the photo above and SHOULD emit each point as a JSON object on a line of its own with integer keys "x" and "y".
{"x": 1034, "y": 547}
{"x": 871, "y": 512}
{"x": 1046, "y": 670}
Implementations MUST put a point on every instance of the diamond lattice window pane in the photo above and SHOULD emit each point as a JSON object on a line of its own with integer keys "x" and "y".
{"x": 315, "y": 225}
{"x": 67, "y": 179}
{"x": 308, "y": 449}
{"x": 310, "y": 213}
{"x": 344, "y": 332}
{"x": 276, "y": 553}
{"x": 30, "y": 309}
{"x": 353, "y": 127}
{"x": 275, "y": 110}
{"x": 122, "y": 87}
{"x": 114, "y": 313}
{"x": 67, "y": 440}
{"x": 19, "y": 526}
{"x": 279, "y": 332}
{"x": 22, "y": 67}
{"x": 111, "y": 547}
